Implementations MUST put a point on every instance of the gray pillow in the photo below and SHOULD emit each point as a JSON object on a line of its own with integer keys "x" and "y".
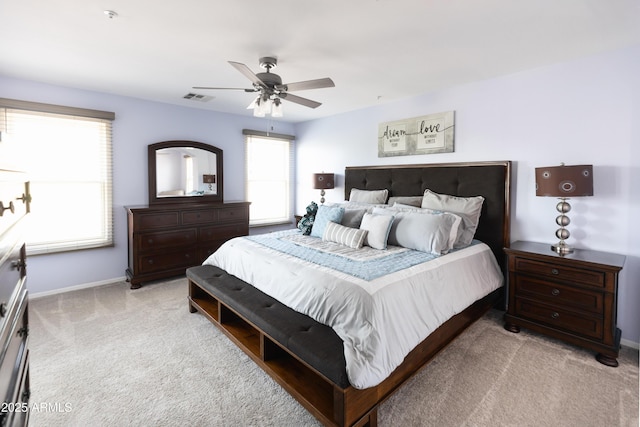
{"x": 368, "y": 196}
{"x": 406, "y": 200}
{"x": 423, "y": 230}
{"x": 469, "y": 208}
{"x": 353, "y": 217}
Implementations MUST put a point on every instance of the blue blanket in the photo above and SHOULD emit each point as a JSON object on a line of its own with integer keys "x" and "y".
{"x": 367, "y": 269}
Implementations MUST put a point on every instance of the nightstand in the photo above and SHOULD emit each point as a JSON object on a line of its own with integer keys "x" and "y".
{"x": 572, "y": 297}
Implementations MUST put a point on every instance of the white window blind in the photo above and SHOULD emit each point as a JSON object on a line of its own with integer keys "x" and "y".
{"x": 67, "y": 156}
{"x": 269, "y": 172}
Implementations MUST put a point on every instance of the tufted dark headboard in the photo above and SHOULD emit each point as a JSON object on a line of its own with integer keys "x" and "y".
{"x": 492, "y": 180}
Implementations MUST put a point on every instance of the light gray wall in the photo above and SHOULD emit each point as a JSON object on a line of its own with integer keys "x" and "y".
{"x": 583, "y": 111}
{"x": 138, "y": 123}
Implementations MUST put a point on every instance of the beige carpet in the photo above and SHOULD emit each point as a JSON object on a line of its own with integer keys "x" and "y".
{"x": 110, "y": 356}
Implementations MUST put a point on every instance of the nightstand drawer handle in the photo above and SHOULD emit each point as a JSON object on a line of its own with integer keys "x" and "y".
{"x": 555, "y": 315}
{"x": 555, "y": 271}
{"x": 555, "y": 292}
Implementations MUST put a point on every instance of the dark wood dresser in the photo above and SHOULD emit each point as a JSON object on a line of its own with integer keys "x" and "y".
{"x": 164, "y": 240}
{"x": 572, "y": 297}
{"x": 14, "y": 326}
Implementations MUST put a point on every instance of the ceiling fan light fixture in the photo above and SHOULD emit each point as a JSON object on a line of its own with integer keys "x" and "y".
{"x": 276, "y": 109}
{"x": 265, "y": 106}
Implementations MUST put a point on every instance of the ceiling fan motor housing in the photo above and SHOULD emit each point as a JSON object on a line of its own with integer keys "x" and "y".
{"x": 270, "y": 79}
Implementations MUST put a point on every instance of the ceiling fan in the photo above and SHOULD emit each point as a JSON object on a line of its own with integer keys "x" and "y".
{"x": 271, "y": 90}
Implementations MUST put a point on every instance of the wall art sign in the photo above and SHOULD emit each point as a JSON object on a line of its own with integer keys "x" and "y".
{"x": 418, "y": 135}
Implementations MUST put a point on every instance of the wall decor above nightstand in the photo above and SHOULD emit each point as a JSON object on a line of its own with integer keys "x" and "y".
{"x": 572, "y": 297}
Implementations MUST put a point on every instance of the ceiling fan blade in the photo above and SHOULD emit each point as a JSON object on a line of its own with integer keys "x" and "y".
{"x": 300, "y": 100}
{"x": 307, "y": 84}
{"x": 248, "y": 73}
{"x": 223, "y": 88}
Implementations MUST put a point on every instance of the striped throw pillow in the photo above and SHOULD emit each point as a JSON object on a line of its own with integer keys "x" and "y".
{"x": 352, "y": 237}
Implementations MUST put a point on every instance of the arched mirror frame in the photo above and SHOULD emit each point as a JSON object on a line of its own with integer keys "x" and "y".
{"x": 152, "y": 168}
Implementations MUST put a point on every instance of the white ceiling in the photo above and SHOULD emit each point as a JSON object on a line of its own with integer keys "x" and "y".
{"x": 374, "y": 50}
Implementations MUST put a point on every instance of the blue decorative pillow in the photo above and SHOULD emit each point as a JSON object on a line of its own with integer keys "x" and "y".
{"x": 323, "y": 216}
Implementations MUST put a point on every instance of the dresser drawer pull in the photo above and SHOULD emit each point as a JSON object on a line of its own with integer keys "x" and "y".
{"x": 150, "y": 241}
{"x": 26, "y": 198}
{"x": 150, "y": 261}
{"x": 23, "y": 332}
{"x": 555, "y": 292}
{"x": 8, "y": 208}
{"x": 19, "y": 264}
{"x": 3, "y": 309}
{"x": 555, "y": 271}
{"x": 555, "y": 315}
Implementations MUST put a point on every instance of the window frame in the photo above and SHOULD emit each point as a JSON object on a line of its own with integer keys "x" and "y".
{"x": 102, "y": 121}
{"x": 290, "y": 187}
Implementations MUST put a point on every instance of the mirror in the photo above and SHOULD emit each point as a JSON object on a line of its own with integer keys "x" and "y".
{"x": 184, "y": 172}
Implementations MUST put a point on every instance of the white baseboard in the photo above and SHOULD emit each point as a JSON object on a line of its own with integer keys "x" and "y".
{"x": 77, "y": 287}
{"x": 630, "y": 344}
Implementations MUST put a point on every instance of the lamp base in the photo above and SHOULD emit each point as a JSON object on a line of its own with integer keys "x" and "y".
{"x": 561, "y": 248}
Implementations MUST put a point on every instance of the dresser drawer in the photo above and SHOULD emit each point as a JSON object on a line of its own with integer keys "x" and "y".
{"x": 10, "y": 276}
{"x": 165, "y": 239}
{"x": 13, "y": 352}
{"x": 554, "y": 293}
{"x": 558, "y": 318}
{"x": 232, "y": 214}
{"x": 156, "y": 220}
{"x": 560, "y": 272}
{"x": 168, "y": 261}
{"x": 199, "y": 216}
{"x": 222, "y": 232}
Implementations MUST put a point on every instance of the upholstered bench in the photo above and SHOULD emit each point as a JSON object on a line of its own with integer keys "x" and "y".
{"x": 312, "y": 342}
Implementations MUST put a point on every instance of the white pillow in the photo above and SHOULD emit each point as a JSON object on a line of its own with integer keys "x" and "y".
{"x": 368, "y": 196}
{"x": 378, "y": 227}
{"x": 469, "y": 208}
{"x": 423, "y": 230}
{"x": 352, "y": 237}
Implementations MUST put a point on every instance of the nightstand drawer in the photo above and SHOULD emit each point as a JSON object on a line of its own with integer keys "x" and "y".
{"x": 590, "y": 326}
{"x": 561, "y": 272}
{"x": 553, "y": 293}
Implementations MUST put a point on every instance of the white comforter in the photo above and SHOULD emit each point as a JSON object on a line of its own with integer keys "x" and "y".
{"x": 380, "y": 321}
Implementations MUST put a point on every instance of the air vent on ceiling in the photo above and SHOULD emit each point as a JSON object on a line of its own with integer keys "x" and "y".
{"x": 198, "y": 97}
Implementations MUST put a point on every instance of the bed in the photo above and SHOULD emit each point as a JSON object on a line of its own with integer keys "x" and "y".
{"x": 337, "y": 365}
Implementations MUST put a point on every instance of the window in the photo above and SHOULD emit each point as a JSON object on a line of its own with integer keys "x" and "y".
{"x": 67, "y": 155}
{"x": 269, "y": 171}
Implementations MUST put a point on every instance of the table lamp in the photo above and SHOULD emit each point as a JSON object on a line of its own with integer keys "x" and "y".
{"x": 564, "y": 182}
{"x": 323, "y": 181}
